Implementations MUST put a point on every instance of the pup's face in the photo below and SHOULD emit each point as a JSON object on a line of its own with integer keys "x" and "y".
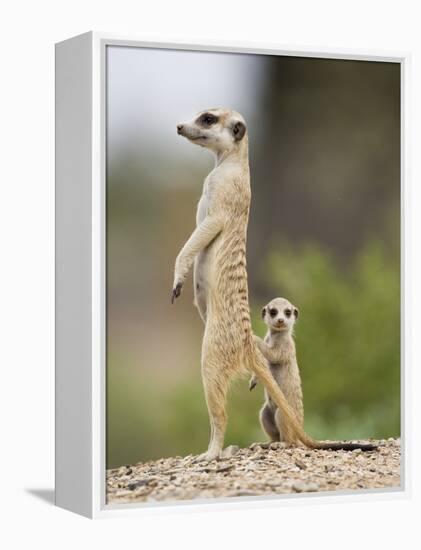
{"x": 219, "y": 130}
{"x": 280, "y": 315}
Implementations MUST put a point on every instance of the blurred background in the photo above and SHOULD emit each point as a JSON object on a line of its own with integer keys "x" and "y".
{"x": 324, "y": 232}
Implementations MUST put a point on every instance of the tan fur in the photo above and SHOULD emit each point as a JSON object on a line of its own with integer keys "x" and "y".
{"x": 278, "y": 347}
{"x": 218, "y": 248}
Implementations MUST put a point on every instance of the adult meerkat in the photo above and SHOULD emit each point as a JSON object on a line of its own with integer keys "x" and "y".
{"x": 278, "y": 347}
{"x": 218, "y": 248}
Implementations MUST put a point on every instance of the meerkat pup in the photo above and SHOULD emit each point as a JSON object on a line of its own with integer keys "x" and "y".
{"x": 278, "y": 347}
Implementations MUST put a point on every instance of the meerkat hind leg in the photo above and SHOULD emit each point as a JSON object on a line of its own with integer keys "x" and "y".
{"x": 278, "y": 422}
{"x": 267, "y": 421}
{"x": 215, "y": 383}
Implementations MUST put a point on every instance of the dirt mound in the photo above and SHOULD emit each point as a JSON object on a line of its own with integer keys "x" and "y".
{"x": 257, "y": 470}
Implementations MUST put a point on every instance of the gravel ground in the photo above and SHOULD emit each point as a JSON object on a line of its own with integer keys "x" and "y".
{"x": 256, "y": 470}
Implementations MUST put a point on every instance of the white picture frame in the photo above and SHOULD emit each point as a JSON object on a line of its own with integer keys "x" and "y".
{"x": 80, "y": 274}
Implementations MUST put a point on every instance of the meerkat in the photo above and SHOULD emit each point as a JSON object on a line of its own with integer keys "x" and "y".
{"x": 278, "y": 347}
{"x": 218, "y": 249}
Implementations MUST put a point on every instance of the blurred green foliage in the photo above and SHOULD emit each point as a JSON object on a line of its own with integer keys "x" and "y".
{"x": 348, "y": 347}
{"x": 348, "y": 339}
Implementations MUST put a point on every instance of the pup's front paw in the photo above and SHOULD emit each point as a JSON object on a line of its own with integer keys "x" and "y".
{"x": 176, "y": 291}
{"x": 252, "y": 383}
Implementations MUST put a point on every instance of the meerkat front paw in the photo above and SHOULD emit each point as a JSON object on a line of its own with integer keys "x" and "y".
{"x": 176, "y": 291}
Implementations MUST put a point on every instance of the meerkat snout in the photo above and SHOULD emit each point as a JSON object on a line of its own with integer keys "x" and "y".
{"x": 180, "y": 129}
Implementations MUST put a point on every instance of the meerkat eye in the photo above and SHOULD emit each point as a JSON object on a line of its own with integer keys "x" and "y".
{"x": 287, "y": 312}
{"x": 208, "y": 119}
{"x": 273, "y": 312}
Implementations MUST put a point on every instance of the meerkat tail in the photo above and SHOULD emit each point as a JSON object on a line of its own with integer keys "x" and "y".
{"x": 293, "y": 430}
{"x": 345, "y": 446}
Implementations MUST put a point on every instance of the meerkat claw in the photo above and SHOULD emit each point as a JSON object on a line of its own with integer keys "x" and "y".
{"x": 252, "y": 384}
{"x": 176, "y": 291}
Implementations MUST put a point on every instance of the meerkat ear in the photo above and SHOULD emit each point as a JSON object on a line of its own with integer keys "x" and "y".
{"x": 296, "y": 313}
{"x": 238, "y": 130}
{"x": 263, "y": 312}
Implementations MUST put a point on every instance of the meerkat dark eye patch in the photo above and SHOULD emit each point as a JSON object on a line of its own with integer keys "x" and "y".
{"x": 287, "y": 312}
{"x": 273, "y": 312}
{"x": 238, "y": 130}
{"x": 207, "y": 119}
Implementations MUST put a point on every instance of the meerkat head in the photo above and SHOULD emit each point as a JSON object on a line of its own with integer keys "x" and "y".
{"x": 219, "y": 130}
{"x": 280, "y": 315}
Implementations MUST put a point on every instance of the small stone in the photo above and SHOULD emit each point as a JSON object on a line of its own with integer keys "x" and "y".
{"x": 137, "y": 484}
{"x": 302, "y": 487}
{"x": 275, "y": 445}
{"x": 300, "y": 464}
{"x": 256, "y": 456}
{"x": 256, "y": 446}
{"x": 225, "y": 468}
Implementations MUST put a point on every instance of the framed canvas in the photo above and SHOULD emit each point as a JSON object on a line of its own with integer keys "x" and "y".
{"x": 189, "y": 391}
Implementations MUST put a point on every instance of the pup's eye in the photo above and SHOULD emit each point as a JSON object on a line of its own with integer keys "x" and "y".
{"x": 208, "y": 120}
{"x": 288, "y": 312}
{"x": 273, "y": 312}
